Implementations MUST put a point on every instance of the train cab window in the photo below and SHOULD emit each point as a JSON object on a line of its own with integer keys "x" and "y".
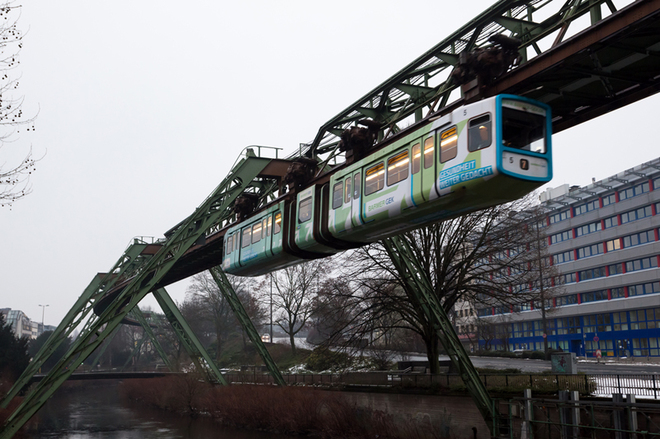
{"x": 347, "y": 192}
{"x": 397, "y": 168}
{"x": 448, "y": 144}
{"x": 246, "y": 237}
{"x": 416, "y": 157}
{"x": 256, "y": 233}
{"x": 357, "y": 182}
{"x": 278, "y": 223}
{"x": 229, "y": 245}
{"x": 337, "y": 195}
{"x": 479, "y": 133}
{"x": 524, "y": 130}
{"x": 305, "y": 210}
{"x": 428, "y": 153}
{"x": 375, "y": 179}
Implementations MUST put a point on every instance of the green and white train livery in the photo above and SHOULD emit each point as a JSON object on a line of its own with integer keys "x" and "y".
{"x": 479, "y": 155}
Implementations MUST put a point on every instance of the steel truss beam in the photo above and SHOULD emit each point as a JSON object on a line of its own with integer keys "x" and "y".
{"x": 148, "y": 335}
{"x": 120, "y": 301}
{"x": 239, "y": 311}
{"x": 196, "y": 352}
{"x": 421, "y": 285}
{"x": 425, "y": 85}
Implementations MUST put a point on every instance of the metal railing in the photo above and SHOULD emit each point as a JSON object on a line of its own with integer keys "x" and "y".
{"x": 641, "y": 385}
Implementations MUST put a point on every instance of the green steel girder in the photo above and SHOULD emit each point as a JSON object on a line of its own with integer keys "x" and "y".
{"x": 196, "y": 352}
{"x": 244, "y": 320}
{"x": 421, "y": 285}
{"x": 148, "y": 335}
{"x": 127, "y": 263}
{"x": 425, "y": 85}
{"x": 215, "y": 209}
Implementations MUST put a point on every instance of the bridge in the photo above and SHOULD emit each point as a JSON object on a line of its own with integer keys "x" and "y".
{"x": 582, "y": 57}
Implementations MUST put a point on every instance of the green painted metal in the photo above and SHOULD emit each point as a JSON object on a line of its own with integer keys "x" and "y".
{"x": 148, "y": 335}
{"x": 407, "y": 265}
{"x": 215, "y": 209}
{"x": 239, "y": 311}
{"x": 426, "y": 84}
{"x": 201, "y": 358}
{"x": 128, "y": 262}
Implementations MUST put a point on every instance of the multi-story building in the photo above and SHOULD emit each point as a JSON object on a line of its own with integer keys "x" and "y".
{"x": 603, "y": 242}
{"x": 19, "y": 322}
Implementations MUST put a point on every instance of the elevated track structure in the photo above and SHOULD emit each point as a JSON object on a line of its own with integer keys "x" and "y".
{"x": 584, "y": 58}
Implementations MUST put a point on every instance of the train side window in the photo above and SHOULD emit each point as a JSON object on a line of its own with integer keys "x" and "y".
{"x": 305, "y": 210}
{"x": 416, "y": 157}
{"x": 246, "y": 237}
{"x": 337, "y": 195}
{"x": 347, "y": 192}
{"x": 479, "y": 133}
{"x": 448, "y": 144}
{"x": 229, "y": 245}
{"x": 264, "y": 228}
{"x": 397, "y": 168}
{"x": 269, "y": 225}
{"x": 278, "y": 223}
{"x": 428, "y": 153}
{"x": 375, "y": 179}
{"x": 357, "y": 182}
{"x": 256, "y": 233}
{"x": 236, "y": 241}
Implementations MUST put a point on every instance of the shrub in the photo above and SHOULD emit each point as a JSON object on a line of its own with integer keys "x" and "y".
{"x": 323, "y": 358}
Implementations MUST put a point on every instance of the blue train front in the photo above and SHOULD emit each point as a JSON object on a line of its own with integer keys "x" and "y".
{"x": 477, "y": 156}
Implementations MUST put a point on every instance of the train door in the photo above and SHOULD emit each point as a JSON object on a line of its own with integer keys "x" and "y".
{"x": 428, "y": 168}
{"x": 415, "y": 170}
{"x": 356, "y": 199}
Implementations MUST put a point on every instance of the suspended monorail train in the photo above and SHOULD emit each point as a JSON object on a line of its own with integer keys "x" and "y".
{"x": 479, "y": 155}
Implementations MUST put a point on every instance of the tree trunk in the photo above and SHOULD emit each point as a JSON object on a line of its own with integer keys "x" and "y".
{"x": 432, "y": 352}
{"x": 293, "y": 343}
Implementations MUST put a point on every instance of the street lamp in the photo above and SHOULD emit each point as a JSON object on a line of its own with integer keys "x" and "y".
{"x": 43, "y": 311}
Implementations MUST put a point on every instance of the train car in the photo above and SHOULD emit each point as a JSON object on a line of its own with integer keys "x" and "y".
{"x": 480, "y": 155}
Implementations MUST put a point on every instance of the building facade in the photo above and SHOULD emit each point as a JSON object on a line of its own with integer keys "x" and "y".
{"x": 19, "y": 323}
{"x": 603, "y": 241}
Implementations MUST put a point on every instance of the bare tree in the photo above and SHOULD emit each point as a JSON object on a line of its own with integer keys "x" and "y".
{"x": 14, "y": 174}
{"x": 211, "y": 307}
{"x": 479, "y": 257}
{"x": 294, "y": 291}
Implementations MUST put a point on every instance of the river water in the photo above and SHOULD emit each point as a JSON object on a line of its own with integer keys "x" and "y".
{"x": 98, "y": 411}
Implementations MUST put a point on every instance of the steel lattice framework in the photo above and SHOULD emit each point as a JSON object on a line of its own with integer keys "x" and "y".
{"x": 582, "y": 57}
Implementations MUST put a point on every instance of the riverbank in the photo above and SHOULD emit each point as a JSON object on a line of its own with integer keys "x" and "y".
{"x": 308, "y": 411}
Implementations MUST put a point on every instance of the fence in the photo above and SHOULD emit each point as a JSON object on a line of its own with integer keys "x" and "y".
{"x": 641, "y": 385}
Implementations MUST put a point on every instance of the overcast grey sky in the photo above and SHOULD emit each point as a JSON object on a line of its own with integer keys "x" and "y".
{"x": 143, "y": 107}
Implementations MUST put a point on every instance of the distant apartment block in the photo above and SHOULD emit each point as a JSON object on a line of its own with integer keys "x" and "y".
{"x": 603, "y": 240}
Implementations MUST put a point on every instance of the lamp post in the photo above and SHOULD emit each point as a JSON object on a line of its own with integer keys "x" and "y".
{"x": 43, "y": 311}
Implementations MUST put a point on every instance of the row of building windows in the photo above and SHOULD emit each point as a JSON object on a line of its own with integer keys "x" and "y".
{"x": 607, "y": 223}
{"x": 605, "y": 200}
{"x": 577, "y": 298}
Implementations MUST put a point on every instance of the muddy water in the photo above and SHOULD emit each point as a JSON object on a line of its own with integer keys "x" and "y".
{"x": 98, "y": 411}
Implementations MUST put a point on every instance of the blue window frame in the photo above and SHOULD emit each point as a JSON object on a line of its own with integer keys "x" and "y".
{"x": 561, "y": 236}
{"x": 588, "y": 228}
{"x": 641, "y": 264}
{"x": 592, "y": 273}
{"x": 611, "y": 222}
{"x": 641, "y": 289}
{"x": 609, "y": 199}
{"x": 594, "y": 296}
{"x": 638, "y": 238}
{"x": 590, "y": 250}
{"x": 560, "y": 216}
{"x": 634, "y": 191}
{"x": 561, "y": 258}
{"x": 586, "y": 207}
{"x": 637, "y": 214}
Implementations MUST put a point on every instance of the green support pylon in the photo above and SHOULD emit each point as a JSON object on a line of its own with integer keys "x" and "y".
{"x": 189, "y": 340}
{"x": 80, "y": 310}
{"x": 239, "y": 311}
{"x": 405, "y": 263}
{"x": 214, "y": 210}
{"x": 137, "y": 314}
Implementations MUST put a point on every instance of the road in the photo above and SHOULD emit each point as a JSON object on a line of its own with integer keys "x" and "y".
{"x": 536, "y": 366}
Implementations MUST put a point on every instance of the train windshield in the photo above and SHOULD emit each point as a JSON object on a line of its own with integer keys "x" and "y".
{"x": 523, "y": 126}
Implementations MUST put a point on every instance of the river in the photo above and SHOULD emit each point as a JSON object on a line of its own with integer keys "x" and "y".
{"x": 96, "y": 410}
